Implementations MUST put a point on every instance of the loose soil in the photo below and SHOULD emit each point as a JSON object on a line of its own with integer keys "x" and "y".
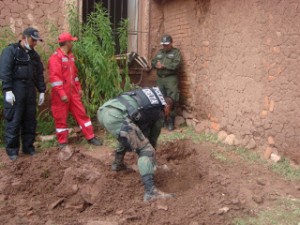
{"x": 83, "y": 191}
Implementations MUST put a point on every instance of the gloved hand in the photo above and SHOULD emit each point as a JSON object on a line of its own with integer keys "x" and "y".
{"x": 10, "y": 97}
{"x": 41, "y": 98}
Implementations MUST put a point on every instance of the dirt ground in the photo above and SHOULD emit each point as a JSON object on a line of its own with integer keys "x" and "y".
{"x": 83, "y": 191}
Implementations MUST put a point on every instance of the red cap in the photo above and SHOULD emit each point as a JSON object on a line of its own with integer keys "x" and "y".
{"x": 66, "y": 36}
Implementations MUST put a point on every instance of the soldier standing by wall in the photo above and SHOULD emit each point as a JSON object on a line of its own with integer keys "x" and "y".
{"x": 21, "y": 71}
{"x": 167, "y": 62}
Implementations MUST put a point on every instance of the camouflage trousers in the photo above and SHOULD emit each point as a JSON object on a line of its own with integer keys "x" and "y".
{"x": 129, "y": 136}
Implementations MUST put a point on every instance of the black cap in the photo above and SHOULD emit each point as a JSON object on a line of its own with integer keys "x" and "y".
{"x": 33, "y": 33}
{"x": 166, "y": 40}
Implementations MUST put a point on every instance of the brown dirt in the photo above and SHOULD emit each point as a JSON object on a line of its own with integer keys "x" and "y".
{"x": 83, "y": 190}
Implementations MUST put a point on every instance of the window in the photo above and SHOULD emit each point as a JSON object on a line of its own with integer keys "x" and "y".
{"x": 118, "y": 10}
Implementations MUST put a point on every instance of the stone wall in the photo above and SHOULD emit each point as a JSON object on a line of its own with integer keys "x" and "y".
{"x": 41, "y": 14}
{"x": 241, "y": 65}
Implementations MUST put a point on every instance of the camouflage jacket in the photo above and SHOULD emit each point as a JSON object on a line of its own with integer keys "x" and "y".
{"x": 171, "y": 61}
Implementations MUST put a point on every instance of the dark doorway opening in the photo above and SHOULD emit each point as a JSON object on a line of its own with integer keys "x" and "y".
{"x": 117, "y": 10}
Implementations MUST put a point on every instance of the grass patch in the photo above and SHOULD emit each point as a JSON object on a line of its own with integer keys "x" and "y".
{"x": 220, "y": 156}
{"x": 2, "y": 165}
{"x": 286, "y": 212}
{"x": 110, "y": 141}
{"x": 246, "y": 154}
{"x": 45, "y": 127}
{"x": 187, "y": 133}
{"x": 284, "y": 168}
{"x": 47, "y": 144}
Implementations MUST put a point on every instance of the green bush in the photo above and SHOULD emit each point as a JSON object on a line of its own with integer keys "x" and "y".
{"x": 95, "y": 53}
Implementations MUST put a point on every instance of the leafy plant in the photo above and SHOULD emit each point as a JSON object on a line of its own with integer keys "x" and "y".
{"x": 123, "y": 41}
{"x": 98, "y": 68}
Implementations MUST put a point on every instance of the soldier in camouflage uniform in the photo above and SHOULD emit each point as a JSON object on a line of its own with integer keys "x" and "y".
{"x": 135, "y": 118}
{"x": 167, "y": 62}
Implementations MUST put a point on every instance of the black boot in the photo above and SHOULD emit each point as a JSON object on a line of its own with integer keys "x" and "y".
{"x": 95, "y": 141}
{"x": 118, "y": 164}
{"x": 171, "y": 121}
{"x": 12, "y": 153}
{"x": 151, "y": 192}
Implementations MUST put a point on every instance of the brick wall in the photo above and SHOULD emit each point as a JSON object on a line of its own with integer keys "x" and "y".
{"x": 241, "y": 65}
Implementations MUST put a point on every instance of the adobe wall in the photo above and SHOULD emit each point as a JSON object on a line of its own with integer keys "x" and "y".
{"x": 19, "y": 14}
{"x": 241, "y": 66}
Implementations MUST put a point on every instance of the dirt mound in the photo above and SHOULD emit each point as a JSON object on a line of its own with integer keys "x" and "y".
{"x": 83, "y": 190}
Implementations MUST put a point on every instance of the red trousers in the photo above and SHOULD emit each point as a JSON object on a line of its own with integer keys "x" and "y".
{"x": 60, "y": 112}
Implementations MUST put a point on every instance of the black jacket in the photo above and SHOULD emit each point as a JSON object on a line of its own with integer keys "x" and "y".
{"x": 18, "y": 64}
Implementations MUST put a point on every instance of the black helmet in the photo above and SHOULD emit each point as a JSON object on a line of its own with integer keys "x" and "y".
{"x": 166, "y": 40}
{"x": 33, "y": 33}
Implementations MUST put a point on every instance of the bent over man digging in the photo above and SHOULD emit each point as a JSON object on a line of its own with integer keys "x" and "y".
{"x": 66, "y": 95}
{"x": 135, "y": 118}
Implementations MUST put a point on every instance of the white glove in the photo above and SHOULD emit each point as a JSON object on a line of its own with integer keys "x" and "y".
{"x": 10, "y": 97}
{"x": 41, "y": 98}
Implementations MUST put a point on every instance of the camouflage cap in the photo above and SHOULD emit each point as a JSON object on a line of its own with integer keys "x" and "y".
{"x": 166, "y": 40}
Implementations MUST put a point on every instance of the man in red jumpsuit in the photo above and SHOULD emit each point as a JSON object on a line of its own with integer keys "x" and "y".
{"x": 66, "y": 92}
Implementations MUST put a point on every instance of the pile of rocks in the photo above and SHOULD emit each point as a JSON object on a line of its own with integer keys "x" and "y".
{"x": 270, "y": 152}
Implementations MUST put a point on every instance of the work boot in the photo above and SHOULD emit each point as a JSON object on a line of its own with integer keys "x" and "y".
{"x": 65, "y": 153}
{"x": 156, "y": 194}
{"x": 151, "y": 192}
{"x": 13, "y": 157}
{"x": 95, "y": 141}
{"x": 31, "y": 152}
{"x": 171, "y": 123}
{"x": 118, "y": 164}
{"x": 12, "y": 153}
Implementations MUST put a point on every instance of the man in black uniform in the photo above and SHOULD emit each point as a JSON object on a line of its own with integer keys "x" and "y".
{"x": 21, "y": 71}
